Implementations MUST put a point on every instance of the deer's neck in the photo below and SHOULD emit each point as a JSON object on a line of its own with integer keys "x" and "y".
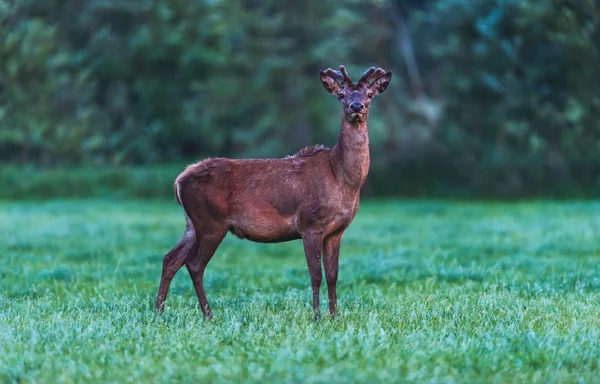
{"x": 350, "y": 157}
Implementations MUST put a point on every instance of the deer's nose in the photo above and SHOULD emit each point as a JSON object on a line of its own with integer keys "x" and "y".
{"x": 356, "y": 107}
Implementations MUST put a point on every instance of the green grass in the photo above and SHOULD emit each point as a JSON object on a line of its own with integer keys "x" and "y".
{"x": 429, "y": 292}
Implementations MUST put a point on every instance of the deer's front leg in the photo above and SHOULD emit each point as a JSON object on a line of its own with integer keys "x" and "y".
{"x": 331, "y": 252}
{"x": 313, "y": 247}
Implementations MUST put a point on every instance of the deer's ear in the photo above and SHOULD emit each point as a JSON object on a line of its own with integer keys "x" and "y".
{"x": 330, "y": 84}
{"x": 381, "y": 83}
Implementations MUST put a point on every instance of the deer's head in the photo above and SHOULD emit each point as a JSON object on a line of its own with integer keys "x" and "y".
{"x": 355, "y": 97}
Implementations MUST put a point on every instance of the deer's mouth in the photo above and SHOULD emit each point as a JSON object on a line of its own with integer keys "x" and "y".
{"x": 357, "y": 115}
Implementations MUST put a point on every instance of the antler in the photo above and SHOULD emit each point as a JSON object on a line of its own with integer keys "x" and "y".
{"x": 341, "y": 75}
{"x": 345, "y": 73}
{"x": 336, "y": 75}
{"x": 371, "y": 74}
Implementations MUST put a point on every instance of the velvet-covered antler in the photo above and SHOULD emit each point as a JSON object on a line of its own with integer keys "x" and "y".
{"x": 340, "y": 76}
{"x": 345, "y": 74}
{"x": 371, "y": 74}
{"x": 336, "y": 75}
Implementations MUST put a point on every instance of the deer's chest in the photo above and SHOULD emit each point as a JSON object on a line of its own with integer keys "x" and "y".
{"x": 341, "y": 221}
{"x": 333, "y": 216}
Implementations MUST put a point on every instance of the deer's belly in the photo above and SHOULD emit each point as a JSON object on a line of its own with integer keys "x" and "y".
{"x": 263, "y": 226}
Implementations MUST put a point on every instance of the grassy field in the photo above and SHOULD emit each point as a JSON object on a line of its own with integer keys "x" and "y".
{"x": 429, "y": 292}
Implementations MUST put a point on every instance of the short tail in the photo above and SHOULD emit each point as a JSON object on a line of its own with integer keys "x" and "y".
{"x": 176, "y": 191}
{"x": 189, "y": 226}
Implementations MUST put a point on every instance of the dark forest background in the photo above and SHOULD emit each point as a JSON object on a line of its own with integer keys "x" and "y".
{"x": 495, "y": 98}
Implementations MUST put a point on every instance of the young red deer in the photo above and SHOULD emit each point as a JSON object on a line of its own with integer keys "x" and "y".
{"x": 312, "y": 195}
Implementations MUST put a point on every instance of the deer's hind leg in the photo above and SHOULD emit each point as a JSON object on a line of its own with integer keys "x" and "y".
{"x": 207, "y": 209}
{"x": 171, "y": 264}
{"x": 207, "y": 242}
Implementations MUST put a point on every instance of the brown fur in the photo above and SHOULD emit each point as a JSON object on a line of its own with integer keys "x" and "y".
{"x": 312, "y": 195}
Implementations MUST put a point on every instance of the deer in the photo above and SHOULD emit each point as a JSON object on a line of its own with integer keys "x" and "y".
{"x": 312, "y": 195}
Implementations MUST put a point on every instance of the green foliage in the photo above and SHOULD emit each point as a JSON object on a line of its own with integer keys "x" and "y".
{"x": 429, "y": 292}
{"x": 115, "y": 182}
{"x": 45, "y": 109}
{"x": 180, "y": 78}
{"x": 494, "y": 97}
{"x": 520, "y": 89}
